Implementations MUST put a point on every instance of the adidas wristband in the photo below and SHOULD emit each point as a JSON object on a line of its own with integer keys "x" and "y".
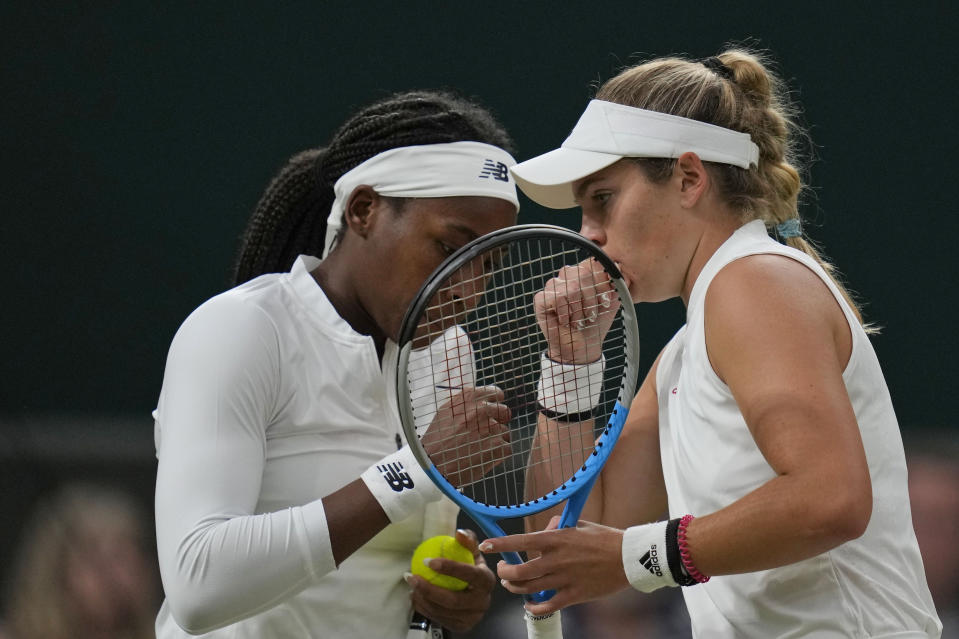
{"x": 651, "y": 557}
{"x": 399, "y": 484}
{"x": 569, "y": 388}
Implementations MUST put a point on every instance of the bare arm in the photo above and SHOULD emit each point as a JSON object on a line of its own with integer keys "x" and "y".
{"x": 630, "y": 489}
{"x": 559, "y": 448}
{"x": 779, "y": 340}
{"x": 784, "y": 367}
{"x": 354, "y": 517}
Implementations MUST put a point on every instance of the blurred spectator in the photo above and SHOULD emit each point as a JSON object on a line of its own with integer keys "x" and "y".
{"x": 83, "y": 570}
{"x": 934, "y": 494}
{"x": 630, "y": 613}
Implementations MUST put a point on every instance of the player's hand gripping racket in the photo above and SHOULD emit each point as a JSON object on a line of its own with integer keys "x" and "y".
{"x": 533, "y": 352}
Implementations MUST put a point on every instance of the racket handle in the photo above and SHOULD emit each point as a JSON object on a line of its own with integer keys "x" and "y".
{"x": 422, "y": 628}
{"x": 540, "y": 597}
{"x": 544, "y": 626}
{"x": 515, "y": 559}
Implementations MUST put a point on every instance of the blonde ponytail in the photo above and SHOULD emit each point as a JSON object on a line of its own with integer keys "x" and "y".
{"x": 737, "y": 90}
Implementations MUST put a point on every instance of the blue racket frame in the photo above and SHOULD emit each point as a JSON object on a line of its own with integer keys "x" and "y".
{"x": 575, "y": 490}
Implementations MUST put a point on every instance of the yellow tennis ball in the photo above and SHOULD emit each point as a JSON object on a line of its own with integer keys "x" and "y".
{"x": 440, "y": 546}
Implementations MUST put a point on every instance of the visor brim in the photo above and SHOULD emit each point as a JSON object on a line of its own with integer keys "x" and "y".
{"x": 548, "y": 179}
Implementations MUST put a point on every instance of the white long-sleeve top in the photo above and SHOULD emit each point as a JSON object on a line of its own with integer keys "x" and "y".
{"x": 271, "y": 401}
{"x": 873, "y": 586}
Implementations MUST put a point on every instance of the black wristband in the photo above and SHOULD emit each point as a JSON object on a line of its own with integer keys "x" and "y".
{"x": 673, "y": 558}
{"x": 583, "y": 416}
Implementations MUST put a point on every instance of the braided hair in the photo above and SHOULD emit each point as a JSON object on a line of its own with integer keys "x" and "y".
{"x": 738, "y": 90}
{"x": 290, "y": 218}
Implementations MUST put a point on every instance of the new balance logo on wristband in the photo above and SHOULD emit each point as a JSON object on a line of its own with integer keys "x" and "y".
{"x": 395, "y": 476}
{"x": 495, "y": 170}
{"x": 651, "y": 561}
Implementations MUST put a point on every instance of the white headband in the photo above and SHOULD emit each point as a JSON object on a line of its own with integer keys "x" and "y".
{"x": 430, "y": 170}
{"x": 608, "y": 131}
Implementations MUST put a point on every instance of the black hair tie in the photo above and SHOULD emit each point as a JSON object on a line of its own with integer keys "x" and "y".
{"x": 716, "y": 65}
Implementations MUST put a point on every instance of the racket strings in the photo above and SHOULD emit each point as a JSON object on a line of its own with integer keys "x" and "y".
{"x": 482, "y": 330}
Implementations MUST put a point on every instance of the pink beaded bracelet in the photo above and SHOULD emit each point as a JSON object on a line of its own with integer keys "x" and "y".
{"x": 684, "y": 551}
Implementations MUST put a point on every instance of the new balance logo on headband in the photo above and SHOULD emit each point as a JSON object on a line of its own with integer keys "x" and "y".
{"x": 395, "y": 476}
{"x": 650, "y": 561}
{"x": 495, "y": 170}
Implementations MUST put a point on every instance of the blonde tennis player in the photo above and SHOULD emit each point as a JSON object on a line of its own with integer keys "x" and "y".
{"x": 765, "y": 425}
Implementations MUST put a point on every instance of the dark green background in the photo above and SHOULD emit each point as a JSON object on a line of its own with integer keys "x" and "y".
{"x": 137, "y": 137}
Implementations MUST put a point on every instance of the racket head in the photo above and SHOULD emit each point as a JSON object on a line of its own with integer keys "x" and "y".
{"x": 489, "y": 336}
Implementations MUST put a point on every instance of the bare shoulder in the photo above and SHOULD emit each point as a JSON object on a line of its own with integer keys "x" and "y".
{"x": 770, "y": 303}
{"x": 769, "y": 281}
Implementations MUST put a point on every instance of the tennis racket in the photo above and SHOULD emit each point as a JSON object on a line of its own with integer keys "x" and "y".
{"x": 483, "y": 330}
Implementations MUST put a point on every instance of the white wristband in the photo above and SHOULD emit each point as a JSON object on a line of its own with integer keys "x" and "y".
{"x": 569, "y": 388}
{"x": 644, "y": 557}
{"x": 400, "y": 485}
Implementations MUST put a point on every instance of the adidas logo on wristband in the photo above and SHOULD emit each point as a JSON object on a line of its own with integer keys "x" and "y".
{"x": 645, "y": 557}
{"x": 650, "y": 561}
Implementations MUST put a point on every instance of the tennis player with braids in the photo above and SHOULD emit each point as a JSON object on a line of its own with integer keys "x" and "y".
{"x": 765, "y": 425}
{"x": 286, "y": 505}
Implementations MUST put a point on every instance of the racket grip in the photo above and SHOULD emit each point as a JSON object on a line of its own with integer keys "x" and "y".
{"x": 540, "y": 597}
{"x": 515, "y": 559}
{"x": 422, "y": 628}
{"x": 544, "y": 626}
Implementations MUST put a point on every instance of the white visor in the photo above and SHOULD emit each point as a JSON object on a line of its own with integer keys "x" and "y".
{"x": 429, "y": 170}
{"x": 607, "y": 132}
